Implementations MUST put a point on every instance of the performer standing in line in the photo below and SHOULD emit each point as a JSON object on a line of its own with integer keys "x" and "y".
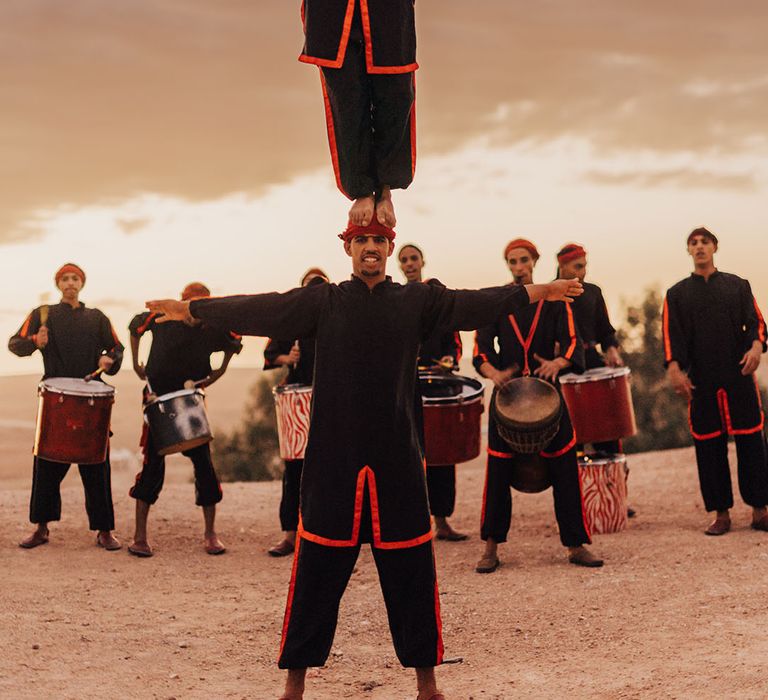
{"x": 180, "y": 354}
{"x": 714, "y": 338}
{"x": 363, "y": 476}
{"x": 366, "y": 52}
{"x": 591, "y": 315}
{"x": 74, "y": 341}
{"x": 528, "y": 342}
{"x": 299, "y": 357}
{"x": 438, "y": 353}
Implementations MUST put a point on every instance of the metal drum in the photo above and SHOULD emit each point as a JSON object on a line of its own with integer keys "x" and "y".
{"x": 600, "y": 404}
{"x": 452, "y": 408}
{"x": 527, "y": 412}
{"x": 292, "y": 404}
{"x": 604, "y": 492}
{"x": 178, "y": 421}
{"x": 73, "y": 419}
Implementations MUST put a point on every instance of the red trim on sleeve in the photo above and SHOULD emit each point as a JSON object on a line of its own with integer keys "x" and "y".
{"x": 114, "y": 337}
{"x": 143, "y": 327}
{"x": 665, "y": 331}
{"x": 459, "y": 346}
{"x": 332, "y": 144}
{"x": 476, "y": 351}
{"x": 25, "y": 328}
{"x": 760, "y": 322}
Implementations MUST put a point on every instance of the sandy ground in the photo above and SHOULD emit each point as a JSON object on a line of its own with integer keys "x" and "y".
{"x": 673, "y": 614}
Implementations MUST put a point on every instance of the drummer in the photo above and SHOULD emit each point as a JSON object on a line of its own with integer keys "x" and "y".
{"x": 363, "y": 477}
{"x": 179, "y": 357}
{"x": 299, "y": 357}
{"x": 591, "y": 315}
{"x": 74, "y": 341}
{"x": 441, "y": 352}
{"x": 714, "y": 338}
{"x": 541, "y": 340}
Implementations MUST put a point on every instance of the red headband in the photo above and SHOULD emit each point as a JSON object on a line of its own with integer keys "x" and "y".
{"x": 372, "y": 229}
{"x": 522, "y": 243}
{"x": 195, "y": 290}
{"x": 571, "y": 251}
{"x": 69, "y": 267}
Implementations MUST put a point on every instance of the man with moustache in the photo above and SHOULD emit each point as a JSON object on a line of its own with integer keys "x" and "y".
{"x": 541, "y": 340}
{"x": 180, "y": 354}
{"x": 74, "y": 341}
{"x": 438, "y": 353}
{"x": 366, "y": 52}
{"x": 363, "y": 478}
{"x": 714, "y": 337}
{"x": 298, "y": 356}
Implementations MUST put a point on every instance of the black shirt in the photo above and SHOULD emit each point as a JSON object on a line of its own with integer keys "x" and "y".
{"x": 180, "y": 352}
{"x": 440, "y": 344}
{"x": 708, "y": 325}
{"x": 363, "y": 428}
{"x": 77, "y": 338}
{"x": 591, "y": 316}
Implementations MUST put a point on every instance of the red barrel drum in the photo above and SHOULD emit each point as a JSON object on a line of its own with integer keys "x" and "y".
{"x": 292, "y": 404}
{"x": 600, "y": 404}
{"x": 73, "y": 419}
{"x": 452, "y": 408}
{"x": 604, "y": 492}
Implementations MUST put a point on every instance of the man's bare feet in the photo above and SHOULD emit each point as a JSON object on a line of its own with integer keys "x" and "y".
{"x": 38, "y": 537}
{"x": 362, "y": 210}
{"x": 213, "y": 544}
{"x": 385, "y": 210}
{"x": 140, "y": 548}
{"x": 294, "y": 684}
{"x": 427, "y": 684}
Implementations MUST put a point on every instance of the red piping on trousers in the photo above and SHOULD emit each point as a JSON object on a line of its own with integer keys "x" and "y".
{"x": 665, "y": 331}
{"x": 291, "y": 589}
{"x": 332, "y": 144}
{"x": 438, "y": 618}
{"x": 365, "y": 474}
{"x": 583, "y": 510}
{"x": 412, "y": 120}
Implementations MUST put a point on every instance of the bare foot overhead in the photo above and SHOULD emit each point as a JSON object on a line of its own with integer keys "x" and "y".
{"x": 385, "y": 210}
{"x": 362, "y": 210}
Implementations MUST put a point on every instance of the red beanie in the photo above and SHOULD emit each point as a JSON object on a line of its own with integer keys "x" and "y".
{"x": 571, "y": 251}
{"x": 522, "y": 243}
{"x": 195, "y": 290}
{"x": 372, "y": 229}
{"x": 69, "y": 267}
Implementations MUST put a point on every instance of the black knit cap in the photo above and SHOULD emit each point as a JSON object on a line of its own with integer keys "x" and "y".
{"x": 701, "y": 231}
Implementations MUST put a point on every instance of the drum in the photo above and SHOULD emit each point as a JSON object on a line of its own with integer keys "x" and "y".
{"x": 600, "y": 404}
{"x": 527, "y": 412}
{"x": 529, "y": 474}
{"x": 292, "y": 403}
{"x": 604, "y": 492}
{"x": 452, "y": 408}
{"x": 178, "y": 421}
{"x": 73, "y": 420}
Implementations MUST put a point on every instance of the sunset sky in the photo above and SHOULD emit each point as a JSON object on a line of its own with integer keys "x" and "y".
{"x": 155, "y": 143}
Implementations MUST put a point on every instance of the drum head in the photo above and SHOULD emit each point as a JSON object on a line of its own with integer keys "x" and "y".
{"x": 527, "y": 403}
{"x": 448, "y": 388}
{"x": 76, "y": 387}
{"x": 291, "y": 389}
{"x": 597, "y": 374}
{"x": 601, "y": 459}
{"x": 178, "y": 394}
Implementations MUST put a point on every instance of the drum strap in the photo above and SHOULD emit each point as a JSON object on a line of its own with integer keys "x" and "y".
{"x": 527, "y": 342}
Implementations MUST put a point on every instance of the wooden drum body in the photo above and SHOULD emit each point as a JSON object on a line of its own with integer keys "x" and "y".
{"x": 600, "y": 404}
{"x": 292, "y": 404}
{"x": 452, "y": 406}
{"x": 604, "y": 492}
{"x": 73, "y": 419}
{"x": 178, "y": 421}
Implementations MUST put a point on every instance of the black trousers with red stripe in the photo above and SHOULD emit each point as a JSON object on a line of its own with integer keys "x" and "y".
{"x": 566, "y": 487}
{"x": 715, "y": 414}
{"x": 320, "y": 576}
{"x": 441, "y": 487}
{"x": 370, "y": 122}
{"x": 45, "y": 501}
{"x": 289, "y": 501}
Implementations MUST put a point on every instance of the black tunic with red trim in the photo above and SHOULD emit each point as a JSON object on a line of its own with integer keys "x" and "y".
{"x": 363, "y": 426}
{"x": 708, "y": 325}
{"x": 77, "y": 338}
{"x": 389, "y": 28}
{"x": 591, "y": 315}
{"x": 180, "y": 352}
{"x": 553, "y": 329}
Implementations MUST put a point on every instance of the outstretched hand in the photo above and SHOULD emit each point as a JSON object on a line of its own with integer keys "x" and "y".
{"x": 564, "y": 290}
{"x": 170, "y": 310}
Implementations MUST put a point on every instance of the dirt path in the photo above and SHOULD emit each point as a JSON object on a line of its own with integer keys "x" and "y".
{"x": 673, "y": 614}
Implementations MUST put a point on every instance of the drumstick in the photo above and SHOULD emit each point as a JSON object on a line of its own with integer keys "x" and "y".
{"x": 296, "y": 346}
{"x": 93, "y": 375}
